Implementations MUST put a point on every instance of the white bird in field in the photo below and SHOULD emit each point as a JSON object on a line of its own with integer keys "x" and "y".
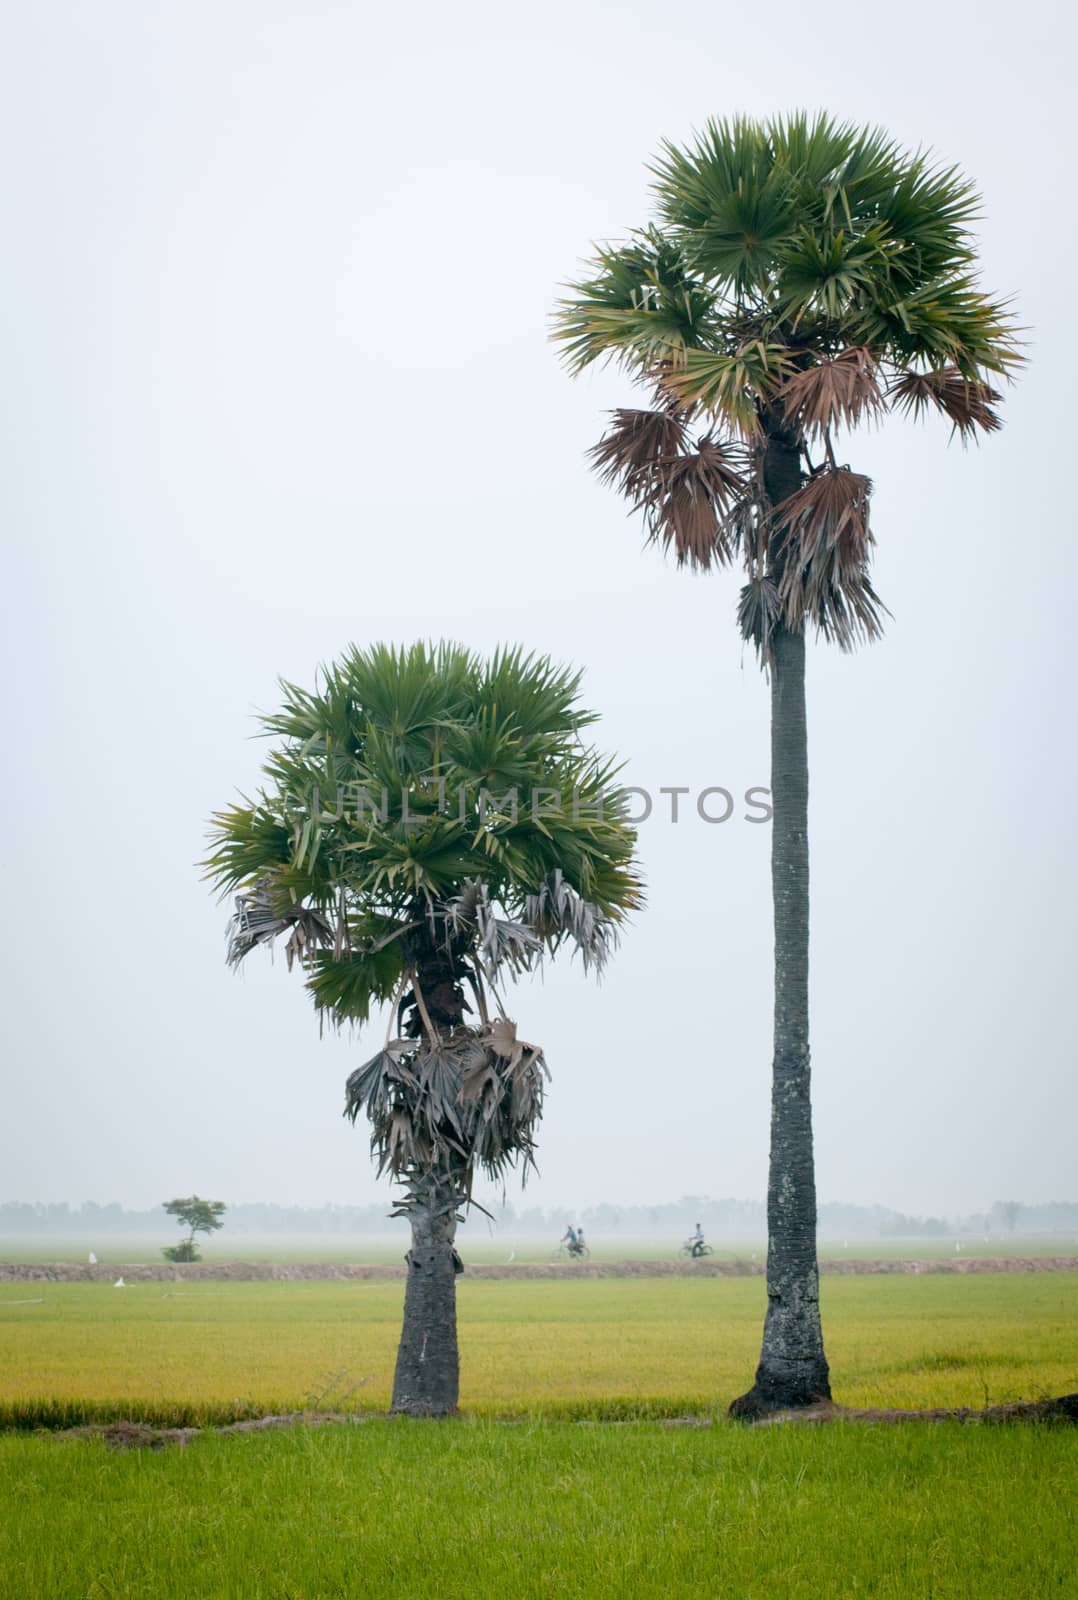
{"x": 92, "y": 1259}
{"x": 119, "y": 1284}
{"x": 511, "y": 1257}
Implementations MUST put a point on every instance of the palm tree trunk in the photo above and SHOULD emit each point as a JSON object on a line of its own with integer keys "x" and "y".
{"x": 793, "y": 1368}
{"x": 427, "y": 1379}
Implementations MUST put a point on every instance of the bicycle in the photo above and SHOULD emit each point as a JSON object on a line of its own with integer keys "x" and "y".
{"x": 571, "y": 1252}
{"x": 694, "y": 1252}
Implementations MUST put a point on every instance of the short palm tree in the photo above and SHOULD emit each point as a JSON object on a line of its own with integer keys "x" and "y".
{"x": 430, "y": 824}
{"x": 801, "y": 277}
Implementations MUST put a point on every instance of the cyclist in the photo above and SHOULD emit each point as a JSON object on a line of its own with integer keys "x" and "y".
{"x": 580, "y": 1241}
{"x": 696, "y": 1241}
{"x": 570, "y": 1238}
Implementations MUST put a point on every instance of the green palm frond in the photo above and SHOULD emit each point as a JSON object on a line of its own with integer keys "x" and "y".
{"x": 927, "y": 210}
{"x": 487, "y": 748}
{"x": 642, "y": 307}
{"x": 246, "y": 841}
{"x": 732, "y": 385}
{"x": 728, "y": 159}
{"x": 404, "y": 691}
{"x": 538, "y": 696}
{"x": 348, "y": 988}
{"x": 829, "y": 158}
{"x": 945, "y": 321}
{"x": 823, "y": 273}
{"x": 745, "y": 233}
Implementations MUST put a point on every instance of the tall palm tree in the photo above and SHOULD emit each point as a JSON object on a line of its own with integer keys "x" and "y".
{"x": 430, "y": 824}
{"x": 801, "y": 276}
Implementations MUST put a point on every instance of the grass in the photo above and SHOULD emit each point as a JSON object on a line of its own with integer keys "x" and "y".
{"x": 476, "y": 1510}
{"x": 549, "y": 1504}
{"x": 552, "y": 1349}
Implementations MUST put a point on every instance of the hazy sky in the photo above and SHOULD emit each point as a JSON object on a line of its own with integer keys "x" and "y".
{"x": 276, "y": 378}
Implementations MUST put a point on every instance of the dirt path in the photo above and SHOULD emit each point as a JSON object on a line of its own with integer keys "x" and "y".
{"x": 1062, "y": 1408}
{"x": 332, "y": 1272}
{"x": 122, "y": 1435}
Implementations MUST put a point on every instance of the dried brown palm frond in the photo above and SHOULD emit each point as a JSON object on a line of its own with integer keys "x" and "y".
{"x": 258, "y": 919}
{"x": 310, "y": 930}
{"x": 747, "y": 524}
{"x": 499, "y": 941}
{"x": 691, "y": 501}
{"x": 967, "y": 403}
{"x": 838, "y": 600}
{"x": 460, "y": 911}
{"x": 502, "y": 1039}
{"x": 839, "y": 390}
{"x": 829, "y": 512}
{"x": 381, "y": 1081}
{"x": 849, "y": 613}
{"x": 758, "y": 610}
{"x": 820, "y": 552}
{"x": 473, "y": 1098}
{"x": 556, "y": 911}
{"x": 634, "y": 444}
{"x": 682, "y": 515}
{"x": 504, "y": 942}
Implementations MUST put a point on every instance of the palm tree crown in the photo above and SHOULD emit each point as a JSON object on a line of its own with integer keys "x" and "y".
{"x": 431, "y": 821}
{"x": 802, "y": 276}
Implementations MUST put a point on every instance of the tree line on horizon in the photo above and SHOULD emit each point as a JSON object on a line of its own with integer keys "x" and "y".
{"x": 667, "y": 1219}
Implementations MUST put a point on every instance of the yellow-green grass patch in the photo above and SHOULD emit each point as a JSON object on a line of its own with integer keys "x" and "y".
{"x": 614, "y": 1348}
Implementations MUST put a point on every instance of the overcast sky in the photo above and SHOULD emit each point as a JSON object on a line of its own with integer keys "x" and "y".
{"x": 276, "y": 378}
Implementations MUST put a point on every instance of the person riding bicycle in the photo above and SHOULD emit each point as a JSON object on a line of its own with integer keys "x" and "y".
{"x": 571, "y": 1238}
{"x": 696, "y": 1241}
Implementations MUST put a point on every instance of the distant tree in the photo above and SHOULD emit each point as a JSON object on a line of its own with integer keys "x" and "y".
{"x": 431, "y": 824}
{"x": 1009, "y": 1212}
{"x": 201, "y": 1216}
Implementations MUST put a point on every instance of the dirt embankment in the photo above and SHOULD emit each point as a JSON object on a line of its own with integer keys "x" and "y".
{"x": 124, "y": 1435}
{"x": 333, "y": 1272}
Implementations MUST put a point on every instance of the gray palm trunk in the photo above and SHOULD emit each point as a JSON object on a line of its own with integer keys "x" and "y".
{"x": 793, "y": 1368}
{"x": 426, "y": 1382}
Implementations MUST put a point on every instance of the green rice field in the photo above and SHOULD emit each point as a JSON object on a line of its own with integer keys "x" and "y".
{"x": 611, "y": 1347}
{"x": 572, "y": 1471}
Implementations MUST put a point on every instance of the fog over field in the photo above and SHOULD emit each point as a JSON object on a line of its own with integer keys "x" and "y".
{"x": 277, "y": 379}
